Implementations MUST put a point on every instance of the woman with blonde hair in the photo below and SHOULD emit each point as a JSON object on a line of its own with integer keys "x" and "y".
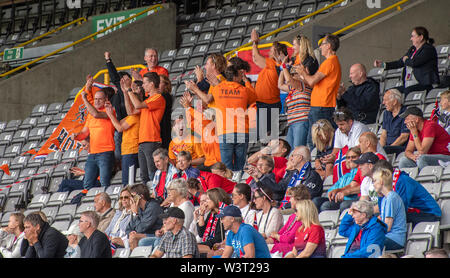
{"x": 310, "y": 237}
{"x": 322, "y": 133}
{"x": 302, "y": 48}
{"x": 219, "y": 168}
{"x": 116, "y": 229}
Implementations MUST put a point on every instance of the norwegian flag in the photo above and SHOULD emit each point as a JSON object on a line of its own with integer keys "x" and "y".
{"x": 436, "y": 113}
{"x": 222, "y": 205}
{"x": 255, "y": 222}
{"x": 340, "y": 168}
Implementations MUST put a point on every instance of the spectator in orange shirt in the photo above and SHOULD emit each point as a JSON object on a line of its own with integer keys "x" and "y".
{"x": 232, "y": 100}
{"x": 152, "y": 110}
{"x": 201, "y": 122}
{"x": 151, "y": 58}
{"x": 267, "y": 91}
{"x": 184, "y": 141}
{"x": 325, "y": 83}
{"x": 100, "y": 160}
{"x": 129, "y": 127}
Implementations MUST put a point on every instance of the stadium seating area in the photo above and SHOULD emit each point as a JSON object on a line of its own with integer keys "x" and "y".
{"x": 35, "y": 182}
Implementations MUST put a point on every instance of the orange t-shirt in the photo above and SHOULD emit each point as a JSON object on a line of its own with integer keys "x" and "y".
{"x": 267, "y": 84}
{"x": 149, "y": 126}
{"x": 233, "y": 98}
{"x": 158, "y": 69}
{"x": 187, "y": 144}
{"x": 130, "y": 137}
{"x": 101, "y": 134}
{"x": 221, "y": 78}
{"x": 209, "y": 140}
{"x": 325, "y": 91}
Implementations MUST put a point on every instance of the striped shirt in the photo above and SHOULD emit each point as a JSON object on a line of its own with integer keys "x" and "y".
{"x": 298, "y": 103}
{"x": 179, "y": 245}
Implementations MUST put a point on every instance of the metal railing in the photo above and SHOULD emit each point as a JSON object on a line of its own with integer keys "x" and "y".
{"x": 393, "y": 6}
{"x": 300, "y": 20}
{"x": 78, "y": 20}
{"x": 91, "y": 36}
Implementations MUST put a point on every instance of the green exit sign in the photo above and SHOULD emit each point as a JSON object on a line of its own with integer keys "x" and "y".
{"x": 13, "y": 54}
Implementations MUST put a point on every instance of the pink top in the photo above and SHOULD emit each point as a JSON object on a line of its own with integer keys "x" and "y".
{"x": 287, "y": 236}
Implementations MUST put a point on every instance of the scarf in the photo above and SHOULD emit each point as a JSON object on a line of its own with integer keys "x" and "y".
{"x": 300, "y": 176}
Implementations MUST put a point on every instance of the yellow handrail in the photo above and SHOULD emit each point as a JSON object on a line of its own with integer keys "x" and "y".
{"x": 288, "y": 25}
{"x": 158, "y": 6}
{"x": 49, "y": 33}
{"x": 396, "y": 5}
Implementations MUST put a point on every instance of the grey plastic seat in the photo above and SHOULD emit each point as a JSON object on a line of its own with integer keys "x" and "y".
{"x": 54, "y": 108}
{"x": 430, "y": 173}
{"x": 209, "y": 26}
{"x": 122, "y": 253}
{"x": 412, "y": 172}
{"x": 13, "y": 125}
{"x": 39, "y": 110}
{"x": 13, "y": 150}
{"x": 44, "y": 120}
{"x": 434, "y": 95}
{"x": 329, "y": 218}
{"x": 424, "y": 236}
{"x": 241, "y": 20}
{"x": 141, "y": 252}
{"x": 90, "y": 195}
{"x": 57, "y": 199}
{"x": 20, "y": 136}
{"x": 28, "y": 123}
{"x": 415, "y": 98}
{"x": 61, "y": 225}
{"x": 39, "y": 201}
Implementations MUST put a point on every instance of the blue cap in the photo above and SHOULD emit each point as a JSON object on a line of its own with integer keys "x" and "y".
{"x": 231, "y": 210}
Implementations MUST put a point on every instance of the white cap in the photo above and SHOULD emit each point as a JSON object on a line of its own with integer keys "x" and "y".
{"x": 73, "y": 230}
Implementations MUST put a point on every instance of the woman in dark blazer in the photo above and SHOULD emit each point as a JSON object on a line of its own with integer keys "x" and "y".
{"x": 420, "y": 63}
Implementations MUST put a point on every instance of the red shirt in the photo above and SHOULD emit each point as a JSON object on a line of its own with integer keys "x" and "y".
{"x": 441, "y": 143}
{"x": 161, "y": 185}
{"x": 279, "y": 167}
{"x": 210, "y": 180}
{"x": 314, "y": 234}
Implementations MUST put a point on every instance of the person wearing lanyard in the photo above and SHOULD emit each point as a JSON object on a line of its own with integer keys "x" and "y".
{"x": 269, "y": 219}
{"x": 420, "y": 63}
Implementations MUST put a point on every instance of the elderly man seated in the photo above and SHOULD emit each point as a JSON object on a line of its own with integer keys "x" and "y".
{"x": 394, "y": 135}
{"x": 362, "y": 97}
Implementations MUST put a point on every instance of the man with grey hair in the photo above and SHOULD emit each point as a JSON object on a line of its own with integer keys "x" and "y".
{"x": 362, "y": 97}
{"x": 299, "y": 171}
{"x": 365, "y": 232}
{"x": 163, "y": 175}
{"x": 394, "y": 135}
{"x": 102, "y": 205}
{"x": 177, "y": 242}
{"x": 94, "y": 244}
{"x": 151, "y": 59}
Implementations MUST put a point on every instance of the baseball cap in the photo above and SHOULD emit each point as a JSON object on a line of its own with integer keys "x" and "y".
{"x": 231, "y": 210}
{"x": 412, "y": 111}
{"x": 73, "y": 230}
{"x": 173, "y": 212}
{"x": 367, "y": 158}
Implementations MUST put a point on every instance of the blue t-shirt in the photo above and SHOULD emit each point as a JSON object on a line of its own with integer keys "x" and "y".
{"x": 246, "y": 235}
{"x": 414, "y": 195}
{"x": 392, "y": 206}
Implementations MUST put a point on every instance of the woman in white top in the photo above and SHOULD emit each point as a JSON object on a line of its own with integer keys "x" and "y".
{"x": 178, "y": 196}
{"x": 241, "y": 197}
{"x": 269, "y": 219}
{"x": 11, "y": 237}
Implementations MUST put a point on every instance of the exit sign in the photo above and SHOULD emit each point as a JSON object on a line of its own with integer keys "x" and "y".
{"x": 13, "y": 54}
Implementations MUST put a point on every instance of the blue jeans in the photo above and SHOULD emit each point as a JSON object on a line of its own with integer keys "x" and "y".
{"x": 233, "y": 150}
{"x": 264, "y": 117}
{"x": 68, "y": 185}
{"x": 317, "y": 113}
{"x": 127, "y": 161}
{"x": 297, "y": 134}
{"x": 98, "y": 164}
{"x": 424, "y": 160}
{"x": 149, "y": 241}
{"x": 389, "y": 244}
